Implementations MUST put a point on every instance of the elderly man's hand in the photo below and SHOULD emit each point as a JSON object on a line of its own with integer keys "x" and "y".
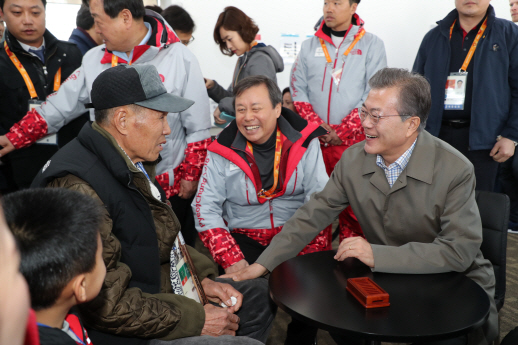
{"x": 502, "y": 151}
{"x": 238, "y": 266}
{"x": 209, "y": 83}
{"x": 251, "y": 272}
{"x": 187, "y": 189}
{"x": 7, "y": 146}
{"x": 219, "y": 321}
{"x": 220, "y": 292}
{"x": 355, "y": 247}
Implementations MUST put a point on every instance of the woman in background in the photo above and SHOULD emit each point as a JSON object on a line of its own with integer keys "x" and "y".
{"x": 235, "y": 33}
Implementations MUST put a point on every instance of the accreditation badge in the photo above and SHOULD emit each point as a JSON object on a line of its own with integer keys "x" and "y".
{"x": 455, "y": 94}
{"x": 51, "y": 139}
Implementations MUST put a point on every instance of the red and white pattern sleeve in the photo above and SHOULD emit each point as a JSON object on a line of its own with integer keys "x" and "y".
{"x": 306, "y": 111}
{"x": 350, "y": 130}
{"x": 28, "y": 130}
{"x": 192, "y": 165}
{"x": 222, "y": 246}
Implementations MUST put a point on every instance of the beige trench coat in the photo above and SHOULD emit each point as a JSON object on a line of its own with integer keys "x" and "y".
{"x": 428, "y": 222}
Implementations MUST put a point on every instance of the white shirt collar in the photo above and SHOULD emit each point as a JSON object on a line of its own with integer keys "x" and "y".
{"x": 26, "y": 47}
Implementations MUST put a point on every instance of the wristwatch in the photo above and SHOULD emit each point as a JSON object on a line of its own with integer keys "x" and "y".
{"x": 500, "y": 137}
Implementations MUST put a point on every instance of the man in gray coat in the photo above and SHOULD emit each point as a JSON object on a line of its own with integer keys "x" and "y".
{"x": 413, "y": 194}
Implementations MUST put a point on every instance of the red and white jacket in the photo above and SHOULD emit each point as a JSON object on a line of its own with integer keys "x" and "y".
{"x": 186, "y": 146}
{"x": 227, "y": 201}
{"x": 318, "y": 98}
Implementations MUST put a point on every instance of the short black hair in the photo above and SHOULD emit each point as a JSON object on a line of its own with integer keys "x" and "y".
{"x": 2, "y": 2}
{"x": 155, "y": 8}
{"x": 257, "y": 80}
{"x": 84, "y": 19}
{"x": 114, "y": 7}
{"x": 56, "y": 232}
{"x": 286, "y": 90}
{"x": 178, "y": 18}
{"x": 351, "y": 2}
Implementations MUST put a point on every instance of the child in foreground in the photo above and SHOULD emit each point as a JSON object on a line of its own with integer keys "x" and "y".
{"x": 57, "y": 232}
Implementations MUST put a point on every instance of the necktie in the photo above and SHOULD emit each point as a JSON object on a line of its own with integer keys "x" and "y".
{"x": 39, "y": 52}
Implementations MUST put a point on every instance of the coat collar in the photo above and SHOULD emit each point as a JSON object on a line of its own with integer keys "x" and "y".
{"x": 446, "y": 22}
{"x": 420, "y": 167}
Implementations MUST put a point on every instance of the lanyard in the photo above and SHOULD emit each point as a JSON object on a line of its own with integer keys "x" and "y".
{"x": 25, "y": 75}
{"x": 473, "y": 46}
{"x": 357, "y": 38}
{"x": 115, "y": 60}
{"x": 276, "y": 166}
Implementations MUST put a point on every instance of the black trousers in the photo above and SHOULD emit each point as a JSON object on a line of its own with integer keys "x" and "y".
{"x": 486, "y": 169}
{"x": 343, "y": 340}
{"x": 183, "y": 211}
{"x": 508, "y": 175}
{"x": 298, "y": 332}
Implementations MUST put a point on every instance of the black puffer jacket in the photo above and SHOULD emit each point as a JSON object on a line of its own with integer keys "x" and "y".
{"x": 24, "y": 164}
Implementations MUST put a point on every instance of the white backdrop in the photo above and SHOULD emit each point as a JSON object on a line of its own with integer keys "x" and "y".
{"x": 400, "y": 23}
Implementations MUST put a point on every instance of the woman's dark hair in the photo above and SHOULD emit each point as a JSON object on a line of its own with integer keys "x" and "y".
{"x": 233, "y": 19}
{"x": 178, "y": 18}
{"x": 286, "y": 90}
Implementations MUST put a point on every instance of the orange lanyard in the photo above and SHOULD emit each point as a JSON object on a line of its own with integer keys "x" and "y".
{"x": 357, "y": 38}
{"x": 115, "y": 60}
{"x": 473, "y": 46}
{"x": 25, "y": 75}
{"x": 276, "y": 166}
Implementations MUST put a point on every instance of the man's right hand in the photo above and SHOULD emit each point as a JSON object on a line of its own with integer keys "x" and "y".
{"x": 238, "y": 266}
{"x": 219, "y": 321}
{"x": 7, "y": 146}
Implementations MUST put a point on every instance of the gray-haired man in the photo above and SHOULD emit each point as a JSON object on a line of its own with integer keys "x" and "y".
{"x": 114, "y": 160}
{"x": 413, "y": 194}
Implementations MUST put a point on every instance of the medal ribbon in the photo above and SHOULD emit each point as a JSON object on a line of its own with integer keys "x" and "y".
{"x": 357, "y": 38}
{"x": 115, "y": 60}
{"x": 25, "y": 75}
{"x": 473, "y": 46}
{"x": 276, "y": 166}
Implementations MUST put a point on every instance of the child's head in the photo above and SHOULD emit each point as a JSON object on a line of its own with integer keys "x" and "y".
{"x": 57, "y": 232}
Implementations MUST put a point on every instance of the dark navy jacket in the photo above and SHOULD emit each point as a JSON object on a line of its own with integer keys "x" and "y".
{"x": 82, "y": 39}
{"x": 494, "y": 109}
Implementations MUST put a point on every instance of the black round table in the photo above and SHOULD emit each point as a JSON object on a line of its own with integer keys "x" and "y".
{"x": 423, "y": 307}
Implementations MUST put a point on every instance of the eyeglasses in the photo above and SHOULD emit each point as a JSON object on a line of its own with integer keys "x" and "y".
{"x": 375, "y": 118}
{"x": 186, "y": 42}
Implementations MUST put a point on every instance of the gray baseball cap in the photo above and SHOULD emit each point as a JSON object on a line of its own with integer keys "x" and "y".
{"x": 138, "y": 84}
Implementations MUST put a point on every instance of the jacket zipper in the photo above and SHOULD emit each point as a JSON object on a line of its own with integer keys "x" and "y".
{"x": 331, "y": 85}
{"x": 271, "y": 213}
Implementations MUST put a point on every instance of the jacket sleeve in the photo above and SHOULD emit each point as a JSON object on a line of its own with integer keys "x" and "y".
{"x": 376, "y": 60}
{"x": 456, "y": 245}
{"x": 315, "y": 179}
{"x": 300, "y": 91}
{"x": 510, "y": 129}
{"x": 311, "y": 218}
{"x": 59, "y": 109}
{"x": 217, "y": 92}
{"x": 350, "y": 130}
{"x": 208, "y": 210}
{"x": 196, "y": 119}
{"x": 420, "y": 59}
{"x": 128, "y": 311}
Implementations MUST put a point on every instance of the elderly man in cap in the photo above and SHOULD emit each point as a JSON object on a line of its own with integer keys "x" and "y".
{"x": 142, "y": 300}
{"x": 413, "y": 194}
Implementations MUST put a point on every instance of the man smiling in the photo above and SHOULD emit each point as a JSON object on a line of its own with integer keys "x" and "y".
{"x": 113, "y": 160}
{"x": 413, "y": 194}
{"x": 133, "y": 36}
